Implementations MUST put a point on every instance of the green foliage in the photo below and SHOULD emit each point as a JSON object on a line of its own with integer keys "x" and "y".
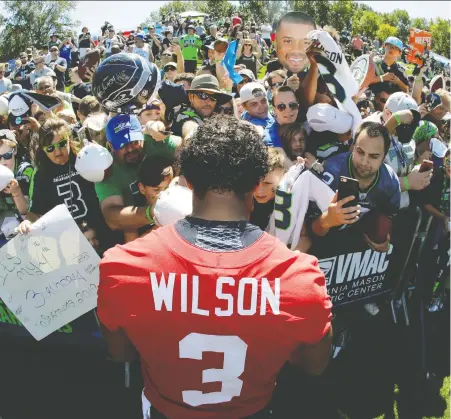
{"x": 341, "y": 12}
{"x": 420, "y": 23}
{"x": 385, "y": 30}
{"x": 319, "y": 10}
{"x": 440, "y": 36}
{"x": 400, "y": 19}
{"x": 29, "y": 23}
{"x": 262, "y": 11}
{"x": 366, "y": 24}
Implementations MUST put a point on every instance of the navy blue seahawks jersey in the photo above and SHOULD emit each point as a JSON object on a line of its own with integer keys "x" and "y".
{"x": 384, "y": 193}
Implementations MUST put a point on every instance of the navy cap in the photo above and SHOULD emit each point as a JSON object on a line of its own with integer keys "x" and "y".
{"x": 122, "y": 130}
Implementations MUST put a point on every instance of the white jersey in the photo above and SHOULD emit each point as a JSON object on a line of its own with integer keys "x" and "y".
{"x": 143, "y": 52}
{"x": 293, "y": 195}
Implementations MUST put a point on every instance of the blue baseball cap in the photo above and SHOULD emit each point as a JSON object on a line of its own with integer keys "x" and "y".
{"x": 122, "y": 130}
{"x": 396, "y": 42}
{"x": 140, "y": 36}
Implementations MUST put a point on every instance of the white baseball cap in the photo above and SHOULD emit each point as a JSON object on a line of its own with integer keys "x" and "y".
{"x": 6, "y": 176}
{"x": 400, "y": 101}
{"x": 92, "y": 161}
{"x": 172, "y": 205}
{"x": 252, "y": 91}
{"x": 324, "y": 117}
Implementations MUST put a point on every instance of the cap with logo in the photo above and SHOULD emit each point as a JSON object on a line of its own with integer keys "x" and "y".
{"x": 324, "y": 117}
{"x": 400, "y": 101}
{"x": 122, "y": 130}
{"x": 252, "y": 91}
{"x": 140, "y": 36}
{"x": 248, "y": 73}
{"x": 396, "y": 42}
{"x": 170, "y": 64}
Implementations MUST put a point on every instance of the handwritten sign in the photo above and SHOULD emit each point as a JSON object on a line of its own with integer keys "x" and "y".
{"x": 50, "y": 276}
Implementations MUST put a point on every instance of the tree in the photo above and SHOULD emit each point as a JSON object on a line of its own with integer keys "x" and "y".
{"x": 340, "y": 13}
{"x": 420, "y": 23}
{"x": 367, "y": 24}
{"x": 400, "y": 19}
{"x": 171, "y": 8}
{"x": 29, "y": 23}
{"x": 440, "y": 37}
{"x": 385, "y": 30}
{"x": 319, "y": 10}
{"x": 261, "y": 11}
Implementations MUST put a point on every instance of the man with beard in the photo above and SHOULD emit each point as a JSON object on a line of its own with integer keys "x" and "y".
{"x": 126, "y": 142}
{"x": 378, "y": 184}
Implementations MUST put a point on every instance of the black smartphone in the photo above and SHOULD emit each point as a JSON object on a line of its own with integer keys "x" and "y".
{"x": 347, "y": 187}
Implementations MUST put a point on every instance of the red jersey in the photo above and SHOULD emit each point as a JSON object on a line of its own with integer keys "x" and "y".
{"x": 213, "y": 329}
{"x": 236, "y": 21}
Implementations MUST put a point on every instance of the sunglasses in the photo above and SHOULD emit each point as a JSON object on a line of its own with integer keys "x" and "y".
{"x": 7, "y": 156}
{"x": 225, "y": 110}
{"x": 51, "y": 148}
{"x": 205, "y": 96}
{"x": 292, "y": 105}
{"x": 23, "y": 58}
{"x": 169, "y": 69}
{"x": 245, "y": 80}
{"x": 277, "y": 84}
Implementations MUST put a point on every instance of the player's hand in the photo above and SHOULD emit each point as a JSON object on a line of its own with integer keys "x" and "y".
{"x": 418, "y": 181}
{"x": 24, "y": 227}
{"x": 426, "y": 155}
{"x": 219, "y": 56}
{"x": 389, "y": 77}
{"x": 423, "y": 109}
{"x": 155, "y": 130}
{"x": 13, "y": 188}
{"x": 405, "y": 116}
{"x": 293, "y": 82}
{"x": 378, "y": 247}
{"x": 336, "y": 215}
{"x": 176, "y": 48}
{"x": 33, "y": 124}
{"x": 312, "y": 51}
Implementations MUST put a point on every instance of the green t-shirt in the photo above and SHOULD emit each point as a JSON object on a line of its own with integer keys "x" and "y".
{"x": 121, "y": 177}
{"x": 164, "y": 148}
{"x": 190, "y": 45}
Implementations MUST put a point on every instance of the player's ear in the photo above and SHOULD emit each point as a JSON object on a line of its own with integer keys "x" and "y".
{"x": 142, "y": 188}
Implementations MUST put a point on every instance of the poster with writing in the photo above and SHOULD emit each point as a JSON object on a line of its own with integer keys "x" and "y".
{"x": 49, "y": 276}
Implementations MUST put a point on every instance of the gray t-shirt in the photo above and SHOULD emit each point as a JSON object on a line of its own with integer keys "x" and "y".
{"x": 35, "y": 74}
{"x": 5, "y": 85}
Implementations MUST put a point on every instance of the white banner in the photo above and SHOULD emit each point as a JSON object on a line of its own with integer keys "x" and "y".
{"x": 49, "y": 276}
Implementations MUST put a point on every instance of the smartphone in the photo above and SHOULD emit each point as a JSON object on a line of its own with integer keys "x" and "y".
{"x": 426, "y": 166}
{"x": 348, "y": 187}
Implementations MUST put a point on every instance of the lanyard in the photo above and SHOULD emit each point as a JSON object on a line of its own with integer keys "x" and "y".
{"x": 399, "y": 153}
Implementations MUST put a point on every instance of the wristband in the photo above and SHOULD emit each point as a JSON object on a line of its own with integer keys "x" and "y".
{"x": 398, "y": 120}
{"x": 406, "y": 183}
{"x": 382, "y": 79}
{"x": 148, "y": 216}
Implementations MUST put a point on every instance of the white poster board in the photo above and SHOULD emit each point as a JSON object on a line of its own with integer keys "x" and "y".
{"x": 49, "y": 276}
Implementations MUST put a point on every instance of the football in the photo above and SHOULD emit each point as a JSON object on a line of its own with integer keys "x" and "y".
{"x": 221, "y": 45}
{"x": 91, "y": 59}
{"x": 376, "y": 226}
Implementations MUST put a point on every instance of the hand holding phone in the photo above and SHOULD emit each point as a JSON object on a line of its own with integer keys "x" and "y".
{"x": 348, "y": 187}
{"x": 426, "y": 166}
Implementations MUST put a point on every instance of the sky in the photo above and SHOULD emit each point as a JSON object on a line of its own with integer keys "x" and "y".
{"x": 129, "y": 14}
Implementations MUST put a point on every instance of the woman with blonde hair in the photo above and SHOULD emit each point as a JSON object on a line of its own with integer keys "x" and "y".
{"x": 55, "y": 180}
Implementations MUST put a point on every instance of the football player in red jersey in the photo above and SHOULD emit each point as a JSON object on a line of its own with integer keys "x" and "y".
{"x": 213, "y": 306}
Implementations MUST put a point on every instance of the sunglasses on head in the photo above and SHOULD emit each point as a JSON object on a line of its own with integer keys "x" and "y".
{"x": 7, "y": 156}
{"x": 170, "y": 69}
{"x": 205, "y": 96}
{"x": 226, "y": 110}
{"x": 292, "y": 105}
{"x": 60, "y": 144}
{"x": 277, "y": 84}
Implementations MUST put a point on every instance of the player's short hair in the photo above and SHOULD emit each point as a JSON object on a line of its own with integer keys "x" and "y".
{"x": 188, "y": 77}
{"x": 224, "y": 155}
{"x": 89, "y": 105}
{"x": 374, "y": 130}
{"x": 296, "y": 17}
{"x": 281, "y": 89}
{"x": 154, "y": 169}
{"x": 276, "y": 159}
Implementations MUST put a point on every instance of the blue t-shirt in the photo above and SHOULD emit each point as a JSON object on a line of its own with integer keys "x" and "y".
{"x": 383, "y": 194}
{"x": 271, "y": 135}
{"x": 65, "y": 52}
{"x": 258, "y": 121}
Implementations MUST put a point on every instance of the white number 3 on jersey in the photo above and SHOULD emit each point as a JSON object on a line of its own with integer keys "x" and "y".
{"x": 234, "y": 350}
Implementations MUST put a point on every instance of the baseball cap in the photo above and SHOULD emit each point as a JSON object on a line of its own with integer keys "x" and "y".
{"x": 191, "y": 27}
{"x": 248, "y": 73}
{"x": 400, "y": 101}
{"x": 396, "y": 42}
{"x": 140, "y": 36}
{"x": 252, "y": 91}
{"x": 92, "y": 161}
{"x": 54, "y": 49}
{"x": 324, "y": 117}
{"x": 122, "y": 130}
{"x": 170, "y": 64}
{"x": 155, "y": 104}
{"x": 6, "y": 134}
{"x": 210, "y": 46}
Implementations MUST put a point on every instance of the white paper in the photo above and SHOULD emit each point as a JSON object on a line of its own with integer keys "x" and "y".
{"x": 49, "y": 276}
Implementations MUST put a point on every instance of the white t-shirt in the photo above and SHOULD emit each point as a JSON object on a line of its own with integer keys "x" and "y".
{"x": 266, "y": 31}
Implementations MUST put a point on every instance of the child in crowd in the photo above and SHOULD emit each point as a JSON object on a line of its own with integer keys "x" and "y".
{"x": 154, "y": 175}
{"x": 91, "y": 235}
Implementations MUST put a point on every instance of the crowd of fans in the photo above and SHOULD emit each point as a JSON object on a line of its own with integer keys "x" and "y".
{"x": 384, "y": 135}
